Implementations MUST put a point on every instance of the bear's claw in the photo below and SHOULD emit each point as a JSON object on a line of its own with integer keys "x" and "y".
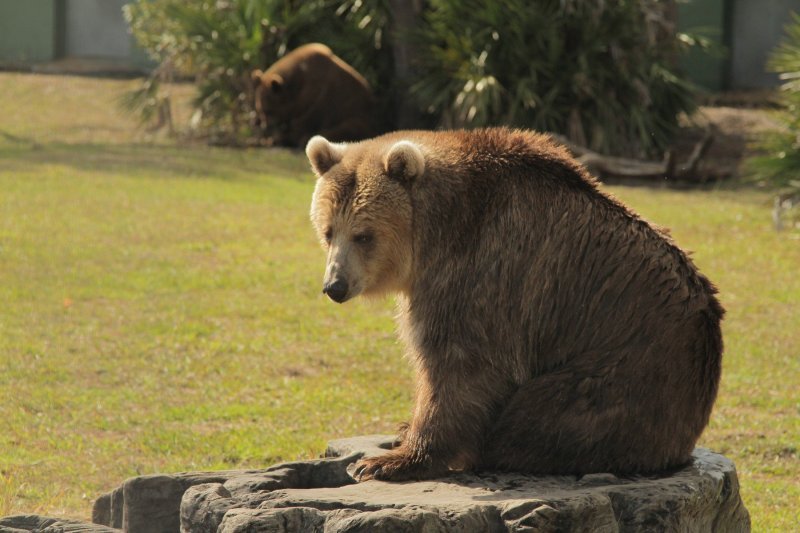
{"x": 395, "y": 466}
{"x": 361, "y": 473}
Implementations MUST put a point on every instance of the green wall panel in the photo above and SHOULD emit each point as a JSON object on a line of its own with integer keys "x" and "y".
{"x": 27, "y": 30}
{"x": 706, "y": 18}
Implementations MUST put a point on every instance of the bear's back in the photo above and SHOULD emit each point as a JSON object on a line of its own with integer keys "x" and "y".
{"x": 511, "y": 214}
{"x": 315, "y": 66}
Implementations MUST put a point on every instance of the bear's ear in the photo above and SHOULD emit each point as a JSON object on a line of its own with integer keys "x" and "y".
{"x": 276, "y": 84}
{"x": 323, "y": 154}
{"x": 256, "y": 74}
{"x": 404, "y": 161}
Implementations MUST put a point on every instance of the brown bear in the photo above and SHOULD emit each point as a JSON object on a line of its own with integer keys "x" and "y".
{"x": 310, "y": 90}
{"x": 553, "y": 330}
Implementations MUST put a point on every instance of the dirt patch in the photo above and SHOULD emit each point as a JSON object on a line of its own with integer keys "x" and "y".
{"x": 734, "y": 130}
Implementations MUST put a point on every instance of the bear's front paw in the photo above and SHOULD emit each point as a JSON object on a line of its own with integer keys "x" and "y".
{"x": 395, "y": 466}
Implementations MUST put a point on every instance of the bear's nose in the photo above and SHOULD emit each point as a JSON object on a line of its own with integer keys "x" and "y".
{"x": 336, "y": 291}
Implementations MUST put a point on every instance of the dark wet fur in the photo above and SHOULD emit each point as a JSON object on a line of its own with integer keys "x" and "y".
{"x": 553, "y": 330}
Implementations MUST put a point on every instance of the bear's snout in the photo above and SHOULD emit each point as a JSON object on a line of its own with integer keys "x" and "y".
{"x": 336, "y": 291}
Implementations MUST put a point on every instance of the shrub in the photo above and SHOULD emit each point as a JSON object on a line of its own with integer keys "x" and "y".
{"x": 598, "y": 72}
{"x": 220, "y": 43}
{"x": 780, "y": 164}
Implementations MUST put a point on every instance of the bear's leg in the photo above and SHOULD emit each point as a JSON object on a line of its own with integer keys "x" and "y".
{"x": 451, "y": 414}
{"x": 578, "y": 422}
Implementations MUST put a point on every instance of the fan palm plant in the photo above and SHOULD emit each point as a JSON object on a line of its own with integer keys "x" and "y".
{"x": 598, "y": 72}
{"x": 780, "y": 163}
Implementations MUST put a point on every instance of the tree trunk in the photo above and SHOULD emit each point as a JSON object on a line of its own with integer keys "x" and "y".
{"x": 405, "y": 16}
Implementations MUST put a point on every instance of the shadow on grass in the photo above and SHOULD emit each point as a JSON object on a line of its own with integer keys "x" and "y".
{"x": 10, "y": 137}
{"x": 155, "y": 160}
{"x": 196, "y": 160}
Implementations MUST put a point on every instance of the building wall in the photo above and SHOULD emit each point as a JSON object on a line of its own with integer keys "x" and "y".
{"x": 28, "y": 31}
{"x": 40, "y": 31}
{"x": 743, "y": 34}
{"x": 756, "y": 28}
{"x": 706, "y": 18}
{"x": 96, "y": 28}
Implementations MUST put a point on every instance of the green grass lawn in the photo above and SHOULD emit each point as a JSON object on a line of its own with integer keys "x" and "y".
{"x": 160, "y": 310}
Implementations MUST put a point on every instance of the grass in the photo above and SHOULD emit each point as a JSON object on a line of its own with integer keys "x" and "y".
{"x": 161, "y": 311}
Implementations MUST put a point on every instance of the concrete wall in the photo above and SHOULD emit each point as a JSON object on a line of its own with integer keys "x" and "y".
{"x": 28, "y": 31}
{"x": 707, "y": 18}
{"x": 96, "y": 28}
{"x": 743, "y": 32}
{"x": 757, "y": 27}
{"x": 40, "y": 31}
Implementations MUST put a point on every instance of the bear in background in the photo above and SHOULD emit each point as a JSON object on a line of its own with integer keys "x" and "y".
{"x": 553, "y": 330}
{"x": 312, "y": 91}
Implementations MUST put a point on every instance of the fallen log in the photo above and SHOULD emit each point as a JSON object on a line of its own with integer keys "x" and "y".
{"x": 605, "y": 166}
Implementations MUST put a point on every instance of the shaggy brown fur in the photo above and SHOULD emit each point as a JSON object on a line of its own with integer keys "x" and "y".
{"x": 553, "y": 330}
{"x": 310, "y": 90}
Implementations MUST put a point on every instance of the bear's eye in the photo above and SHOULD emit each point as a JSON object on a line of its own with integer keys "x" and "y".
{"x": 328, "y": 235}
{"x": 363, "y": 238}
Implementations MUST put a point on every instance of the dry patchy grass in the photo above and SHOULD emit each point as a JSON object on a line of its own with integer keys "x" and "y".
{"x": 161, "y": 312}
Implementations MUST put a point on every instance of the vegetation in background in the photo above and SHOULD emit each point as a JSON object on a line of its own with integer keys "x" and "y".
{"x": 162, "y": 312}
{"x": 599, "y": 72}
{"x": 219, "y": 44}
{"x": 780, "y": 164}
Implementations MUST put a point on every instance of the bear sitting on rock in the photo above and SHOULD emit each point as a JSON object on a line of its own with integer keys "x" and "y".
{"x": 311, "y": 90}
{"x": 553, "y": 330}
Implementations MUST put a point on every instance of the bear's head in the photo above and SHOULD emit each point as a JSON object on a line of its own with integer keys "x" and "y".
{"x": 270, "y": 93}
{"x": 362, "y": 212}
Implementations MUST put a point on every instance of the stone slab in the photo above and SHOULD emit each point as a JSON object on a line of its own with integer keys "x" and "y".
{"x": 704, "y": 496}
{"x": 44, "y": 524}
{"x": 320, "y": 496}
{"x": 152, "y": 503}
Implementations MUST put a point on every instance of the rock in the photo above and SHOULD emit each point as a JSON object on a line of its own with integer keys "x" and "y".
{"x": 700, "y": 497}
{"x": 364, "y": 446}
{"x": 205, "y": 507}
{"x": 272, "y": 520}
{"x": 319, "y": 496}
{"x": 43, "y": 524}
{"x": 152, "y": 504}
